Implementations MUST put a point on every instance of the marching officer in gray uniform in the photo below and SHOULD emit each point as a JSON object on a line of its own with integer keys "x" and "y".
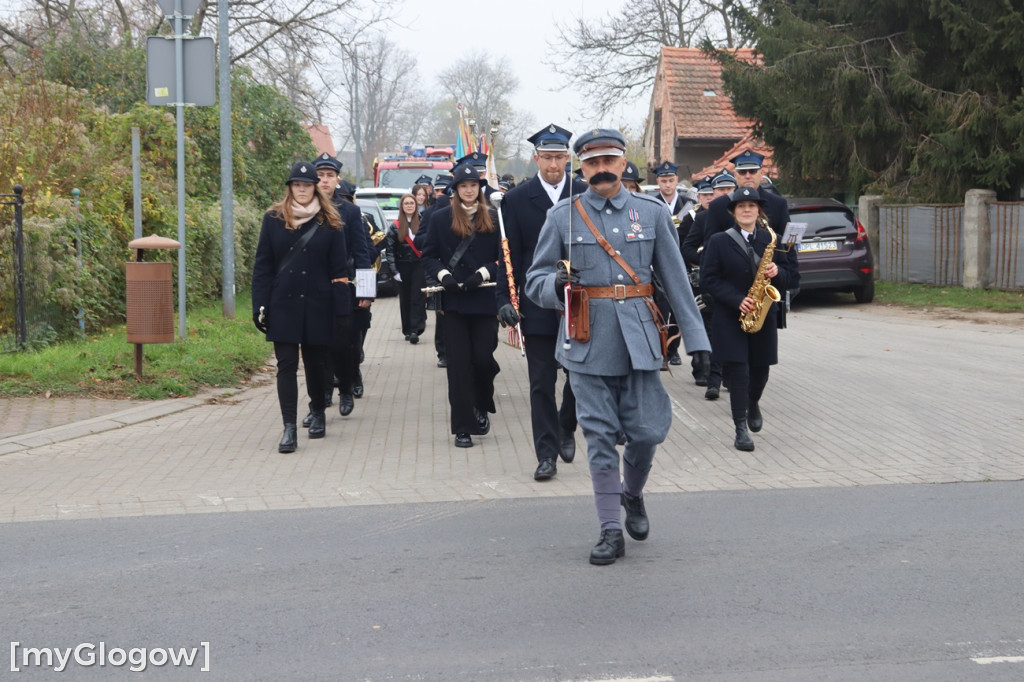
{"x": 614, "y": 369}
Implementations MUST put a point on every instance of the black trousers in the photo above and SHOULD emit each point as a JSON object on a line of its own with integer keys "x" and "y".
{"x": 746, "y": 385}
{"x": 470, "y": 341}
{"x": 343, "y": 362}
{"x": 412, "y": 302}
{"x": 715, "y": 375}
{"x": 439, "y": 335}
{"x": 313, "y": 362}
{"x": 545, "y": 416}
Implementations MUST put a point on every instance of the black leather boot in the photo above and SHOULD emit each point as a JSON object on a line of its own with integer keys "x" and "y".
{"x": 307, "y": 420}
{"x": 610, "y": 547}
{"x": 566, "y": 445}
{"x": 636, "y": 524}
{"x": 318, "y": 426}
{"x": 357, "y": 387}
{"x": 754, "y": 420}
{"x": 346, "y": 404}
{"x": 743, "y": 440}
{"x": 483, "y": 423}
{"x": 289, "y": 440}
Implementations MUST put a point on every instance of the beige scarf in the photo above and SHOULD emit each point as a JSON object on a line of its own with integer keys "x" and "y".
{"x": 303, "y": 213}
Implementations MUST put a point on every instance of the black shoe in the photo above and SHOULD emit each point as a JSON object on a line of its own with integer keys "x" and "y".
{"x": 289, "y": 440}
{"x": 462, "y": 440}
{"x": 567, "y": 445}
{"x": 674, "y": 359}
{"x": 545, "y": 470}
{"x": 306, "y": 420}
{"x": 442, "y": 363}
{"x": 407, "y": 336}
{"x": 700, "y": 380}
{"x": 483, "y": 424}
{"x": 346, "y": 404}
{"x": 318, "y": 426}
{"x": 711, "y": 393}
{"x": 610, "y": 547}
{"x": 329, "y": 398}
{"x": 414, "y": 338}
{"x": 743, "y": 440}
{"x": 636, "y": 524}
{"x": 754, "y": 420}
{"x": 664, "y": 365}
{"x": 357, "y": 391}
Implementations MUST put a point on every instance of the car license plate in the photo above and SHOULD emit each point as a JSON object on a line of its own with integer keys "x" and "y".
{"x": 819, "y": 246}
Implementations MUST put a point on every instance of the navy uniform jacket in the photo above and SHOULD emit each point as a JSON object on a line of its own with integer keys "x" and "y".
{"x": 484, "y": 251}
{"x": 694, "y": 239}
{"x": 355, "y": 235}
{"x": 524, "y": 210}
{"x": 775, "y": 208}
{"x": 300, "y": 302}
{"x": 623, "y": 335}
{"x": 726, "y": 273}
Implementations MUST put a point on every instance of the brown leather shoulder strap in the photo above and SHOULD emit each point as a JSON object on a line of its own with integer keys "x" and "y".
{"x": 604, "y": 243}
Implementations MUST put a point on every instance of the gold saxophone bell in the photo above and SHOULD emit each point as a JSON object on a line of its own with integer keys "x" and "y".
{"x": 763, "y": 293}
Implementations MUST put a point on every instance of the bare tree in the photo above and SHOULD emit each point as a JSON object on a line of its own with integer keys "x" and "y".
{"x": 484, "y": 90}
{"x": 390, "y": 103}
{"x": 616, "y": 59}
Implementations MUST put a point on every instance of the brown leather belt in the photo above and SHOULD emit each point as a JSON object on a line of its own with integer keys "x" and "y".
{"x": 620, "y": 291}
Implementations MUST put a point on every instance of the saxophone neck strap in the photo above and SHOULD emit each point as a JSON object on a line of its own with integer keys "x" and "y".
{"x": 734, "y": 232}
{"x": 604, "y": 243}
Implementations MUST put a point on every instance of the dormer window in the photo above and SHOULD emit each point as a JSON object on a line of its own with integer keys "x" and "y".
{"x": 710, "y": 93}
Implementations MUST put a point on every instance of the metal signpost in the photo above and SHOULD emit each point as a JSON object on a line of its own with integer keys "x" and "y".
{"x": 179, "y": 72}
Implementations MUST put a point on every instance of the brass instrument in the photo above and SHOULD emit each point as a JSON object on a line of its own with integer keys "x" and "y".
{"x": 376, "y": 236}
{"x": 763, "y": 293}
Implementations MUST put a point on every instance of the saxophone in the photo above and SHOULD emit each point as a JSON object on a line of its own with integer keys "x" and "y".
{"x": 763, "y": 293}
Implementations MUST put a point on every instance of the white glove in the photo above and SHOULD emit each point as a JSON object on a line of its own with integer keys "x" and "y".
{"x": 398, "y": 277}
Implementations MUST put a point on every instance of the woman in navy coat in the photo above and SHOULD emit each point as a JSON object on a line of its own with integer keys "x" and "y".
{"x": 727, "y": 273}
{"x": 461, "y": 252}
{"x": 299, "y": 287}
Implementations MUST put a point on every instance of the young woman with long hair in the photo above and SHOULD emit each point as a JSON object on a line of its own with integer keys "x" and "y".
{"x": 299, "y": 287}
{"x": 404, "y": 259}
{"x": 461, "y": 252}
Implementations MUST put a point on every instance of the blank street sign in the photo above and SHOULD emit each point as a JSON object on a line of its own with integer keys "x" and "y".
{"x": 198, "y": 76}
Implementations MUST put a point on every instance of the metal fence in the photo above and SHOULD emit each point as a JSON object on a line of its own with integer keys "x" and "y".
{"x": 921, "y": 244}
{"x": 1005, "y": 222}
{"x": 13, "y": 328}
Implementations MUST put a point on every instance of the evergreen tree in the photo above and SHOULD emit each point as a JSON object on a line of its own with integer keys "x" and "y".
{"x": 910, "y": 98}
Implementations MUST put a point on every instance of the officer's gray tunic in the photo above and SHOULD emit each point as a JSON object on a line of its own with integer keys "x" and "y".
{"x": 618, "y": 370}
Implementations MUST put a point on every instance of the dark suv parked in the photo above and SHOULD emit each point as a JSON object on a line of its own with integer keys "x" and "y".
{"x": 834, "y": 253}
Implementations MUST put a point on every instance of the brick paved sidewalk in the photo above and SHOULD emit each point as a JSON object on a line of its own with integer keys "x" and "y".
{"x": 862, "y": 396}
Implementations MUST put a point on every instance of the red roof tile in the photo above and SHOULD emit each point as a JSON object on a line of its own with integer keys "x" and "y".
{"x": 691, "y": 78}
{"x": 321, "y": 137}
{"x": 748, "y": 142}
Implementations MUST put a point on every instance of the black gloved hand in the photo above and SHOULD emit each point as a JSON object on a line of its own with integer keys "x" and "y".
{"x": 508, "y": 315}
{"x": 565, "y": 275}
{"x": 449, "y": 283}
{"x": 473, "y": 281}
{"x": 262, "y": 326}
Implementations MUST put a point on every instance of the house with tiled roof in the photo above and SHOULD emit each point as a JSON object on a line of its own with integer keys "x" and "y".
{"x": 691, "y": 121}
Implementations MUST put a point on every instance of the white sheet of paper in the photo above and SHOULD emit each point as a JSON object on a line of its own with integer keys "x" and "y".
{"x": 366, "y": 283}
{"x": 794, "y": 233}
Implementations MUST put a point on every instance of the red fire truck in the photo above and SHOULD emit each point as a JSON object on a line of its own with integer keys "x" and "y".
{"x": 402, "y": 169}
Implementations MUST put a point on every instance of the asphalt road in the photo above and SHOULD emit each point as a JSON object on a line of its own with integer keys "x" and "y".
{"x": 893, "y": 582}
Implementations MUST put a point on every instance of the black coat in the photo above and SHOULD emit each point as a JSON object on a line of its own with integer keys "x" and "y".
{"x": 694, "y": 240}
{"x": 359, "y": 253}
{"x": 484, "y": 251}
{"x": 727, "y": 273}
{"x": 775, "y": 208}
{"x": 524, "y": 210}
{"x": 300, "y": 302}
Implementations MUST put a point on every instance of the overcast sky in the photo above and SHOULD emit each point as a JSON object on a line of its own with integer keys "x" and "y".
{"x": 439, "y": 34}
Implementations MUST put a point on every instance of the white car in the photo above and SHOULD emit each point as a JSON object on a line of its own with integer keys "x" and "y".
{"x": 387, "y": 197}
